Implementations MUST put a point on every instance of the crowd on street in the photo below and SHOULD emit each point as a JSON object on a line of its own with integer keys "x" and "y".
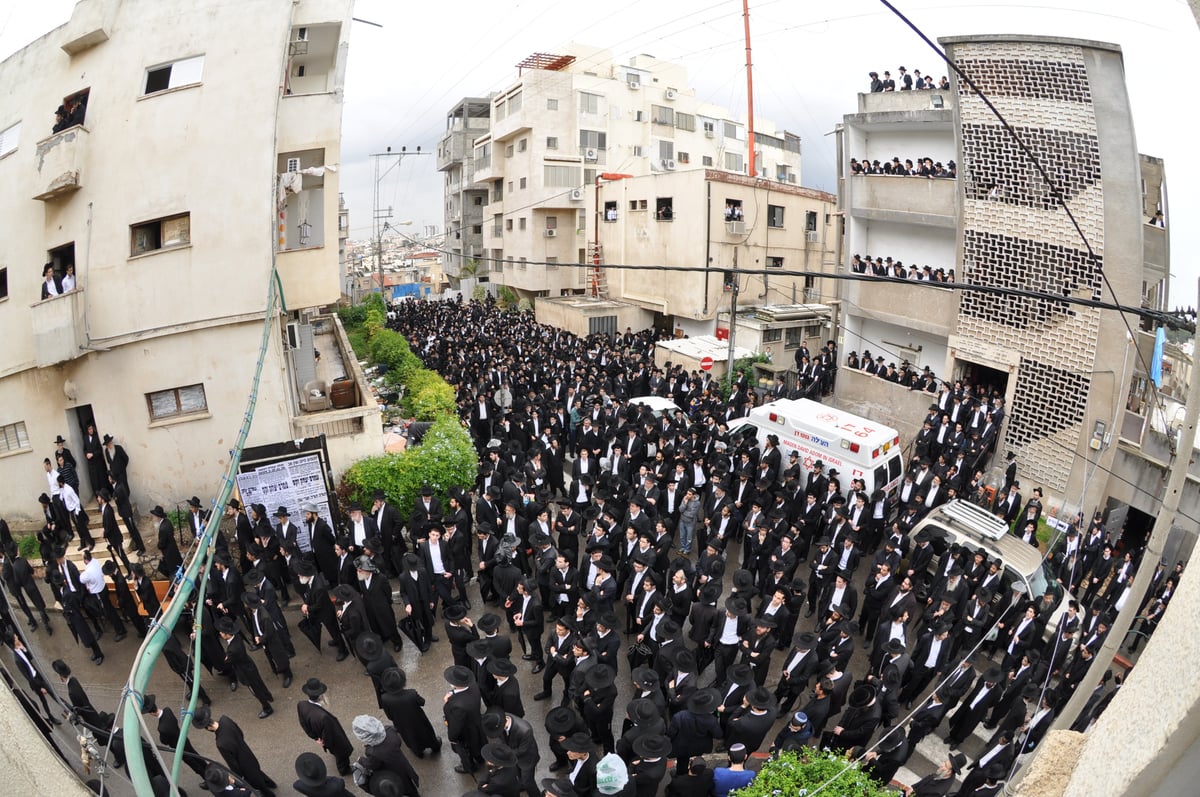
{"x": 683, "y": 597}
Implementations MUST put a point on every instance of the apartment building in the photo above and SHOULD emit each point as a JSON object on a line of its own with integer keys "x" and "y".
{"x": 198, "y": 149}
{"x": 568, "y": 120}
{"x": 1064, "y": 369}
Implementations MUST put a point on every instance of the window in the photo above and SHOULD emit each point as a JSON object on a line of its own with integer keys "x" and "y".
{"x": 683, "y": 157}
{"x": 508, "y": 151}
{"x": 72, "y": 112}
{"x": 510, "y": 186}
{"x": 9, "y": 139}
{"x": 774, "y": 262}
{"x": 551, "y": 142}
{"x": 551, "y": 262}
{"x": 709, "y": 127}
{"x": 733, "y": 161}
{"x": 733, "y": 210}
{"x": 164, "y": 233}
{"x": 478, "y": 201}
{"x": 551, "y": 104}
{"x": 500, "y": 110}
{"x": 497, "y": 227}
{"x": 706, "y": 160}
{"x": 733, "y": 131}
{"x": 508, "y": 225}
{"x": 636, "y": 150}
{"x": 772, "y": 335}
{"x": 589, "y": 103}
{"x": 483, "y": 156}
{"x": 589, "y": 176}
{"x": 610, "y": 211}
{"x": 810, "y": 221}
{"x": 664, "y": 208}
{"x": 477, "y": 229}
{"x": 521, "y": 223}
{"x": 514, "y": 102}
{"x": 3, "y": 283}
{"x": 661, "y": 115}
{"x": 176, "y": 402}
{"x": 593, "y": 139}
{"x": 522, "y": 264}
{"x": 13, "y": 437}
{"x": 795, "y": 338}
{"x": 774, "y": 215}
{"x": 552, "y": 222}
{"x": 637, "y": 204}
{"x": 523, "y": 182}
{"x": 666, "y": 150}
{"x": 497, "y": 190}
{"x": 685, "y": 121}
{"x": 174, "y": 75}
{"x": 560, "y": 176}
{"x": 638, "y": 116}
{"x": 522, "y": 145}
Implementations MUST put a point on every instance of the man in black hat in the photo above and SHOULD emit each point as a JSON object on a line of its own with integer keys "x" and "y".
{"x": 460, "y": 632}
{"x": 518, "y": 735}
{"x": 377, "y": 600}
{"x": 726, "y": 636}
{"x": 975, "y": 706}
{"x": 323, "y": 727}
{"x": 231, "y": 743}
{"x": 351, "y": 615}
{"x": 526, "y": 612}
{"x": 581, "y": 753}
{"x": 798, "y": 666}
{"x": 313, "y": 780}
{"x": 757, "y": 649}
{"x": 238, "y": 660}
{"x": 649, "y": 766}
{"x": 599, "y": 701}
{"x": 267, "y": 636}
{"x": 171, "y": 559}
{"x": 316, "y": 608}
{"x": 501, "y": 690}
{"x": 18, "y": 577}
{"x": 752, "y": 721}
{"x": 562, "y": 722}
{"x": 464, "y": 727}
{"x": 502, "y": 777}
{"x": 168, "y": 733}
{"x": 405, "y": 708}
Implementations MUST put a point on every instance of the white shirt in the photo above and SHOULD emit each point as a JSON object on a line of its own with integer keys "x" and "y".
{"x": 70, "y": 499}
{"x": 435, "y": 556}
{"x": 982, "y": 694}
{"x": 795, "y": 660}
{"x": 935, "y": 647}
{"x": 52, "y": 478}
{"x": 836, "y": 599}
{"x": 360, "y": 532}
{"x": 92, "y": 577}
{"x": 729, "y": 632}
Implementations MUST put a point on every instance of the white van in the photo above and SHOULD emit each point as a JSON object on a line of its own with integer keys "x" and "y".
{"x": 963, "y": 523}
{"x": 857, "y": 447}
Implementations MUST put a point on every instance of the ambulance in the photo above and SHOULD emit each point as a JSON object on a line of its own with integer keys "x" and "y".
{"x": 858, "y": 448}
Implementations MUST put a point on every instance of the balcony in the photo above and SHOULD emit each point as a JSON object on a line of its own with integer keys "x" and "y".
{"x": 1154, "y": 248}
{"x": 893, "y": 301}
{"x": 909, "y": 199}
{"x": 58, "y": 328}
{"x": 352, "y": 409}
{"x": 60, "y": 160}
{"x": 906, "y": 101}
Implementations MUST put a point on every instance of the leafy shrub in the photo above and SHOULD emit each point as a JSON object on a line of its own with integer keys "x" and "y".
{"x": 28, "y": 548}
{"x": 800, "y": 773}
{"x": 446, "y": 458}
{"x": 431, "y": 401}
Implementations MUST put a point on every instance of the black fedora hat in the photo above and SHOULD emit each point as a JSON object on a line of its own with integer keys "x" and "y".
{"x": 479, "y": 648}
{"x": 499, "y": 754}
{"x": 393, "y": 679}
{"x": 369, "y": 646}
{"x": 685, "y": 661}
{"x": 642, "y": 711}
{"x": 644, "y": 678}
{"x": 579, "y": 742}
{"x": 760, "y": 698}
{"x": 488, "y": 622}
{"x": 651, "y": 746}
{"x": 703, "y": 701}
{"x": 740, "y": 673}
{"x": 599, "y": 677}
{"x": 457, "y": 675}
{"x": 314, "y": 687}
{"x": 501, "y": 667}
{"x": 560, "y": 720}
{"x": 861, "y": 696}
{"x": 454, "y": 612}
{"x": 310, "y": 769}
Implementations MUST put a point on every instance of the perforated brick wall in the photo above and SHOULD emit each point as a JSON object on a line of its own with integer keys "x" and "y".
{"x": 1015, "y": 235}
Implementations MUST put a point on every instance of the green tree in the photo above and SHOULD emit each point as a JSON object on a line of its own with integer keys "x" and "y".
{"x": 445, "y": 458}
{"x": 802, "y": 772}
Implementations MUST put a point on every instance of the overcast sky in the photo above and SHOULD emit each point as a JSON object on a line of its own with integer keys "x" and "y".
{"x": 809, "y": 61}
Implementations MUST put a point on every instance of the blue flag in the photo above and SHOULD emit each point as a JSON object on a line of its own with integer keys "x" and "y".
{"x": 1160, "y": 338}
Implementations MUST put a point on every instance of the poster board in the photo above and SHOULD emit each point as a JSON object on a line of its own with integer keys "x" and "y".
{"x": 290, "y": 480}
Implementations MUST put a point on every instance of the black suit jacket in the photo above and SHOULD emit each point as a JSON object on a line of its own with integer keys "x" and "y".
{"x": 318, "y": 723}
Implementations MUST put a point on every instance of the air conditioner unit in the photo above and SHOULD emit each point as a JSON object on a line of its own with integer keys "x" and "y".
{"x": 634, "y": 85}
{"x": 668, "y": 164}
{"x": 576, "y": 194}
{"x": 670, "y": 94}
{"x": 812, "y": 236}
{"x": 735, "y": 227}
{"x": 708, "y": 134}
{"x": 551, "y": 233}
{"x": 589, "y": 154}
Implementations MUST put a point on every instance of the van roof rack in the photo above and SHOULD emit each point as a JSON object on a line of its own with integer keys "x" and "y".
{"x": 975, "y": 518}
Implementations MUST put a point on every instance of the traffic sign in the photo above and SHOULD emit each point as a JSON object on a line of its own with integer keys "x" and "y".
{"x": 706, "y": 363}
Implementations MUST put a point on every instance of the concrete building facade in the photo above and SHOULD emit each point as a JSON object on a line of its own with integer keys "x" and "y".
{"x": 205, "y": 127}
{"x": 1062, "y": 368}
{"x": 564, "y": 122}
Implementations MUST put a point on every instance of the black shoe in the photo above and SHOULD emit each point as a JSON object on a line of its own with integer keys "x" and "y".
{"x": 54, "y": 720}
{"x": 399, "y": 646}
{"x": 423, "y": 648}
{"x": 233, "y": 686}
{"x": 119, "y": 636}
{"x": 528, "y": 657}
{"x": 99, "y": 660}
{"x": 266, "y": 712}
{"x": 33, "y": 625}
{"x": 538, "y": 667}
{"x": 436, "y": 749}
{"x": 808, "y": 613}
{"x": 287, "y": 681}
{"x": 557, "y": 765}
{"x": 460, "y": 769}
{"x": 343, "y": 655}
{"x": 432, "y": 638}
{"x": 332, "y": 643}
{"x": 542, "y": 696}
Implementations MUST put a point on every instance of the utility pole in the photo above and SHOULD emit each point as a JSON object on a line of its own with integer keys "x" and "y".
{"x": 752, "y": 167}
{"x": 380, "y": 215}
{"x": 1176, "y": 480}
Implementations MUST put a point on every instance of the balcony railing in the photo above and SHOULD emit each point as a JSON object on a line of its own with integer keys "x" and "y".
{"x": 59, "y": 163}
{"x": 58, "y": 328}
